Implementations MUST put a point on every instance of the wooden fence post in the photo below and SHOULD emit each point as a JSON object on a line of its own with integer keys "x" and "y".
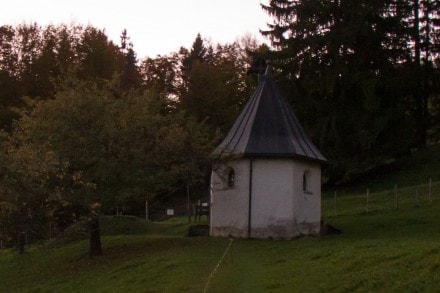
{"x": 368, "y": 195}
{"x": 397, "y": 198}
{"x": 417, "y": 197}
{"x": 430, "y": 190}
{"x": 146, "y": 210}
{"x": 188, "y": 207}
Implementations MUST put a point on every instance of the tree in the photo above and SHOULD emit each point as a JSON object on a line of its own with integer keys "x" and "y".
{"x": 162, "y": 75}
{"x": 44, "y": 69}
{"x": 114, "y": 148}
{"x": 198, "y": 53}
{"x": 130, "y": 73}
{"x": 214, "y": 93}
{"x": 214, "y": 83}
{"x": 423, "y": 26}
{"x": 75, "y": 140}
{"x": 336, "y": 58}
{"x": 31, "y": 182}
{"x": 209, "y": 83}
{"x": 8, "y": 99}
{"x": 98, "y": 57}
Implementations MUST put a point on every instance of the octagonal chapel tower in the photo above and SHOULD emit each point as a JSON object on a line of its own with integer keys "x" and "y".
{"x": 267, "y": 182}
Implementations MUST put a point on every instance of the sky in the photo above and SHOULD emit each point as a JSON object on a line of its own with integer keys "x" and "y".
{"x": 154, "y": 26}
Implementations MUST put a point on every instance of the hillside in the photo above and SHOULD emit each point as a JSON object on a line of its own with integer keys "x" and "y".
{"x": 412, "y": 170}
{"x": 388, "y": 248}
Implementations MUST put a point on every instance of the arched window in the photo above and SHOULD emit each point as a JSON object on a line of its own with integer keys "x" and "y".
{"x": 231, "y": 177}
{"x": 306, "y": 181}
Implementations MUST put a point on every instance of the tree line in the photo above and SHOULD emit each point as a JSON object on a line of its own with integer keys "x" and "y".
{"x": 88, "y": 128}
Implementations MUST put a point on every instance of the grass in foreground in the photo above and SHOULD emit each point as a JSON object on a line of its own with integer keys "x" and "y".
{"x": 381, "y": 251}
{"x": 386, "y": 249}
{"x": 133, "y": 263}
{"x": 396, "y": 251}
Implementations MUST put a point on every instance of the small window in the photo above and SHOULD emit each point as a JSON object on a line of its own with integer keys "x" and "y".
{"x": 231, "y": 177}
{"x": 306, "y": 182}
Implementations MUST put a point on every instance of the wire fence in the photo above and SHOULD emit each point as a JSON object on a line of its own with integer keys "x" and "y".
{"x": 166, "y": 207}
{"x": 345, "y": 203}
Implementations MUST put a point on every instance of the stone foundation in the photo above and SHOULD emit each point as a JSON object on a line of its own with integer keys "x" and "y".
{"x": 270, "y": 232}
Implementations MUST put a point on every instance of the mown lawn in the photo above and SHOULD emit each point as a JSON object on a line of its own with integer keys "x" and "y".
{"x": 395, "y": 250}
{"x": 131, "y": 263}
{"x": 390, "y": 248}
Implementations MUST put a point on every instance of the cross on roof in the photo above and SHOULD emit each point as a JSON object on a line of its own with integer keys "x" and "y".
{"x": 258, "y": 67}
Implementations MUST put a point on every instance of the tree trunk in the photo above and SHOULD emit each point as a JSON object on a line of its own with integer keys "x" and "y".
{"x": 95, "y": 236}
{"x": 420, "y": 95}
{"x": 21, "y": 239}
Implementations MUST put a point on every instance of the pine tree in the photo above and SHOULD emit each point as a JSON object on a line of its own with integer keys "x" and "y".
{"x": 130, "y": 74}
{"x": 336, "y": 59}
{"x": 196, "y": 54}
{"x": 98, "y": 56}
{"x": 423, "y": 23}
{"x": 9, "y": 84}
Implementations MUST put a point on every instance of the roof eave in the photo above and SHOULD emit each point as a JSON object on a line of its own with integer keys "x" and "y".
{"x": 284, "y": 156}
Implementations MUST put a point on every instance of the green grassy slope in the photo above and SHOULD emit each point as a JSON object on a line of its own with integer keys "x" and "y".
{"x": 155, "y": 256}
{"x": 397, "y": 251}
{"x": 410, "y": 171}
{"x": 386, "y": 249}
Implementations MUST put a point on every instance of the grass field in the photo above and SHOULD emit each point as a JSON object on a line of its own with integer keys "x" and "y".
{"x": 387, "y": 249}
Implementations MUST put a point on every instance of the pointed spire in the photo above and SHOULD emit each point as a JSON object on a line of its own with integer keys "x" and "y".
{"x": 267, "y": 127}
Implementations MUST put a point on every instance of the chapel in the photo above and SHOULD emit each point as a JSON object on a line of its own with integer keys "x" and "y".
{"x": 266, "y": 182}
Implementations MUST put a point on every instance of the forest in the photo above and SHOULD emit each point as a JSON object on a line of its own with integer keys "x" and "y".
{"x": 88, "y": 127}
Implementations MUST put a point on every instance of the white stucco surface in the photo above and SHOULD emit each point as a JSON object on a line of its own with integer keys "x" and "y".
{"x": 307, "y": 205}
{"x": 230, "y": 205}
{"x": 280, "y": 208}
{"x": 272, "y": 197}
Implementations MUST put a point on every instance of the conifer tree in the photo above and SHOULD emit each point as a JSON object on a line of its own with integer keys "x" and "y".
{"x": 336, "y": 58}
{"x": 423, "y": 23}
{"x": 130, "y": 74}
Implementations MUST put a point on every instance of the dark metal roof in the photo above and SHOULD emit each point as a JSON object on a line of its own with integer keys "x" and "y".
{"x": 267, "y": 127}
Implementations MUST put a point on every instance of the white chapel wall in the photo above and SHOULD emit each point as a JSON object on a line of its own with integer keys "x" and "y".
{"x": 307, "y": 205}
{"x": 272, "y": 198}
{"x": 281, "y": 208}
{"x": 230, "y": 204}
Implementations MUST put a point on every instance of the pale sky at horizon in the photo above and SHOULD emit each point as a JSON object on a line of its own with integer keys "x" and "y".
{"x": 155, "y": 27}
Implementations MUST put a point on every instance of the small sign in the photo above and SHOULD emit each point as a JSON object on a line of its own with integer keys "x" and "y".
{"x": 170, "y": 212}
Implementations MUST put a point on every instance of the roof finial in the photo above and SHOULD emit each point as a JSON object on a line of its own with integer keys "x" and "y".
{"x": 258, "y": 67}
